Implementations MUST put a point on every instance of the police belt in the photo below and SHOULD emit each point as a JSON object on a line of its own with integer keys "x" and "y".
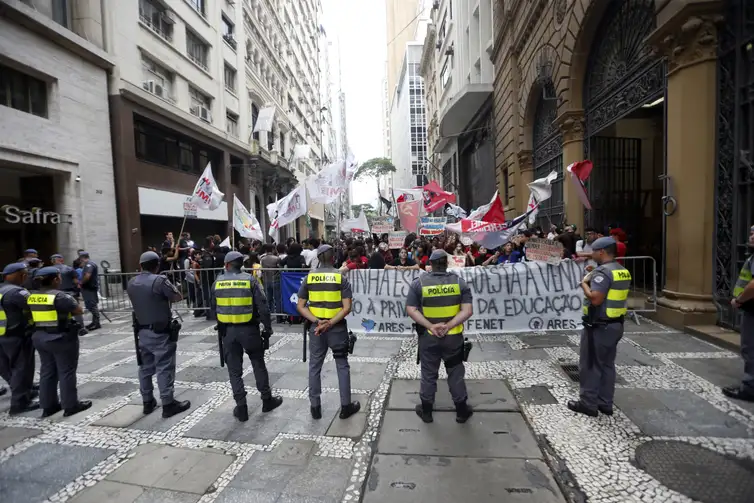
{"x": 157, "y": 328}
{"x": 608, "y": 321}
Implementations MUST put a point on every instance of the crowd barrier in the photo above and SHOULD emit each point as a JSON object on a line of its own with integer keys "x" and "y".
{"x": 507, "y": 298}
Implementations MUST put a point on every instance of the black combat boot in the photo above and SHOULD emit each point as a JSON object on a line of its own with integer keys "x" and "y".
{"x": 25, "y": 407}
{"x": 174, "y": 408}
{"x": 424, "y": 411}
{"x": 241, "y": 412}
{"x": 149, "y": 406}
{"x": 463, "y": 412}
{"x": 51, "y": 411}
{"x": 79, "y": 407}
{"x": 581, "y": 408}
{"x": 316, "y": 412}
{"x": 272, "y": 403}
{"x": 349, "y": 410}
{"x": 93, "y": 326}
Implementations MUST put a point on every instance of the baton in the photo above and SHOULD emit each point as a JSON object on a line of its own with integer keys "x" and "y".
{"x": 307, "y": 324}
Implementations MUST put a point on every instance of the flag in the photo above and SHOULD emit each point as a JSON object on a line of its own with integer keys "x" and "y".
{"x": 327, "y": 185}
{"x": 225, "y": 243}
{"x": 435, "y": 197}
{"x": 541, "y": 190}
{"x": 455, "y": 211}
{"x": 494, "y": 211}
{"x": 265, "y": 119}
{"x": 489, "y": 234}
{"x": 287, "y": 209}
{"x": 405, "y": 195}
{"x": 409, "y": 213}
{"x": 384, "y": 201}
{"x": 244, "y": 222}
{"x": 207, "y": 195}
{"x": 579, "y": 173}
{"x": 300, "y": 152}
{"x": 359, "y": 224}
{"x": 351, "y": 165}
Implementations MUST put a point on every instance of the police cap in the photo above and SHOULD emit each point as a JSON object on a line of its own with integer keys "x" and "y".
{"x": 233, "y": 256}
{"x": 14, "y": 267}
{"x": 84, "y": 254}
{"x": 322, "y": 249}
{"x": 30, "y": 251}
{"x": 33, "y": 260}
{"x": 56, "y": 255}
{"x": 602, "y": 243}
{"x": 148, "y": 256}
{"x": 438, "y": 255}
{"x": 46, "y": 271}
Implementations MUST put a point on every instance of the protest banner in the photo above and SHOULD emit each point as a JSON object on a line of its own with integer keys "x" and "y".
{"x": 455, "y": 261}
{"x": 544, "y": 250}
{"x": 189, "y": 208}
{"x": 290, "y": 282}
{"x": 383, "y": 225}
{"x": 512, "y": 298}
{"x": 432, "y": 226}
{"x": 396, "y": 239}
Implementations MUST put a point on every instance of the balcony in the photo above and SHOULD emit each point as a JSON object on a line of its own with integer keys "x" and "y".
{"x": 228, "y": 37}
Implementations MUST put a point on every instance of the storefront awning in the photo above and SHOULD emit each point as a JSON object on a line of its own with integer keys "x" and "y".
{"x": 460, "y": 110}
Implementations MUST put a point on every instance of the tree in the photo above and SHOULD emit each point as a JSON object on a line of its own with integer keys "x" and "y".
{"x": 375, "y": 168}
{"x": 369, "y": 210}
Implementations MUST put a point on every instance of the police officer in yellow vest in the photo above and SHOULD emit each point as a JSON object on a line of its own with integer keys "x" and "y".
{"x": 241, "y": 306}
{"x": 440, "y": 302}
{"x": 151, "y": 295}
{"x": 16, "y": 348}
{"x": 329, "y": 295}
{"x": 743, "y": 299}
{"x": 606, "y": 291}
{"x": 57, "y": 342}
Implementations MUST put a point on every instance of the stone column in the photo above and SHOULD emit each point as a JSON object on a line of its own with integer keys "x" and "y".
{"x": 525, "y": 176}
{"x": 689, "y": 41}
{"x": 571, "y": 123}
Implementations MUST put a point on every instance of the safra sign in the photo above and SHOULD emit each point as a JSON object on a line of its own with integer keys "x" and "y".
{"x": 15, "y": 215}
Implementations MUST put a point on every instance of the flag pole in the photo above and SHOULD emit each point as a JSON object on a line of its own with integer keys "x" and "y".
{"x": 177, "y": 241}
{"x": 233, "y": 225}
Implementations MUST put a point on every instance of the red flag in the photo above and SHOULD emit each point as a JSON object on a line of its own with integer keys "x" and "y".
{"x": 581, "y": 169}
{"x": 496, "y": 213}
{"x": 579, "y": 173}
{"x": 408, "y": 212}
{"x": 436, "y": 198}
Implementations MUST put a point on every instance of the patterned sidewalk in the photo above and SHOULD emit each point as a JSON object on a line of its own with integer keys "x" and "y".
{"x": 674, "y": 436}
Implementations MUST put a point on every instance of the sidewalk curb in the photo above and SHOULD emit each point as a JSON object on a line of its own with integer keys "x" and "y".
{"x": 712, "y": 339}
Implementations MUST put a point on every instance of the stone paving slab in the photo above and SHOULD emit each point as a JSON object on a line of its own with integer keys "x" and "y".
{"x": 535, "y": 395}
{"x": 165, "y": 467}
{"x": 42, "y": 469}
{"x": 376, "y": 349}
{"x": 115, "y": 492}
{"x": 124, "y": 416}
{"x": 94, "y": 390}
{"x": 155, "y": 421}
{"x": 10, "y": 435}
{"x": 321, "y": 479}
{"x": 90, "y": 362}
{"x": 501, "y": 351}
{"x": 720, "y": 372}
{"x": 629, "y": 355}
{"x": 676, "y": 413}
{"x": 546, "y": 340}
{"x": 354, "y": 426}
{"x": 485, "y": 434}
{"x": 673, "y": 342}
{"x": 412, "y": 479}
{"x": 490, "y": 395}
{"x": 203, "y": 375}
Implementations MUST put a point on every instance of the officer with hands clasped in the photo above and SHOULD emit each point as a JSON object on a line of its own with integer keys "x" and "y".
{"x": 16, "y": 348}
{"x": 69, "y": 284}
{"x": 156, "y": 335}
{"x": 606, "y": 291}
{"x": 329, "y": 295}
{"x": 440, "y": 302}
{"x": 56, "y": 339}
{"x": 241, "y": 306}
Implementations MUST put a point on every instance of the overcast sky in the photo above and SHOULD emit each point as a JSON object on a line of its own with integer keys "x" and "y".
{"x": 357, "y": 28}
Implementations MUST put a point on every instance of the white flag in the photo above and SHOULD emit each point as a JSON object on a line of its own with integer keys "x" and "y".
{"x": 300, "y": 152}
{"x": 206, "y": 194}
{"x": 265, "y": 119}
{"x": 327, "y": 185}
{"x": 359, "y": 224}
{"x": 225, "y": 243}
{"x": 287, "y": 210}
{"x": 244, "y": 222}
{"x": 351, "y": 165}
{"x": 541, "y": 190}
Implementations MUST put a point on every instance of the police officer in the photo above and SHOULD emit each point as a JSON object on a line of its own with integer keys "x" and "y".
{"x": 30, "y": 254}
{"x": 241, "y": 306}
{"x": 69, "y": 283}
{"x": 606, "y": 291}
{"x": 151, "y": 295}
{"x": 16, "y": 348}
{"x": 90, "y": 288}
{"x": 440, "y": 302}
{"x": 56, "y": 340}
{"x": 743, "y": 299}
{"x": 33, "y": 264}
{"x": 329, "y": 295}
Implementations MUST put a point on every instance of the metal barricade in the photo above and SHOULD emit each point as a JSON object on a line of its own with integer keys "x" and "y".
{"x": 642, "y": 297}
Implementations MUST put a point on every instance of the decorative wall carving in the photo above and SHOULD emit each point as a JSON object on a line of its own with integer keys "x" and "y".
{"x": 560, "y": 10}
{"x": 693, "y": 41}
{"x": 571, "y": 125}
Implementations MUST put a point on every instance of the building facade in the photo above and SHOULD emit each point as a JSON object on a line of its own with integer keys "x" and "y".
{"x": 654, "y": 93}
{"x": 56, "y": 164}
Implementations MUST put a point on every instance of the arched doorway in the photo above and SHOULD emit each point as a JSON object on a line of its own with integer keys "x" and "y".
{"x": 624, "y": 95}
{"x": 734, "y": 173}
{"x": 547, "y": 156}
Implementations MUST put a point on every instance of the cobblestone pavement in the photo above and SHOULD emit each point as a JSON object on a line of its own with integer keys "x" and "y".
{"x": 674, "y": 436}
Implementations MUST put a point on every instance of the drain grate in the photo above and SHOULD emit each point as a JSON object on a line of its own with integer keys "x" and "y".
{"x": 571, "y": 370}
{"x": 696, "y": 472}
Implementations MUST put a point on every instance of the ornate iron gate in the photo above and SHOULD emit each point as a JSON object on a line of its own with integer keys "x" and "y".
{"x": 547, "y": 157}
{"x": 734, "y": 184}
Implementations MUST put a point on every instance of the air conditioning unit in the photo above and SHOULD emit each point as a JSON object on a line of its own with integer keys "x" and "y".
{"x": 204, "y": 114}
{"x": 449, "y": 51}
{"x": 159, "y": 90}
{"x": 148, "y": 85}
{"x": 168, "y": 16}
{"x": 436, "y": 4}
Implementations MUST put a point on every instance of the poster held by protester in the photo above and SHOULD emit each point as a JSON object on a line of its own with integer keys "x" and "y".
{"x": 512, "y": 298}
{"x": 189, "y": 208}
{"x": 432, "y": 226}
{"x": 456, "y": 261}
{"x": 383, "y": 225}
{"x": 290, "y": 282}
{"x": 396, "y": 239}
{"x": 544, "y": 250}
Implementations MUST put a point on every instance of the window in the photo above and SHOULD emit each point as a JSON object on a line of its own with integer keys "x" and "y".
{"x": 196, "y": 49}
{"x": 22, "y": 92}
{"x": 157, "y": 80}
{"x": 282, "y": 143}
{"x": 228, "y": 30}
{"x": 156, "y": 19}
{"x": 200, "y": 105}
{"x": 445, "y": 73}
{"x": 61, "y": 13}
{"x": 198, "y": 6}
{"x": 236, "y": 170}
{"x": 506, "y": 199}
{"x": 230, "y": 78}
{"x": 162, "y": 146}
{"x": 231, "y": 123}
{"x": 254, "y": 117}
